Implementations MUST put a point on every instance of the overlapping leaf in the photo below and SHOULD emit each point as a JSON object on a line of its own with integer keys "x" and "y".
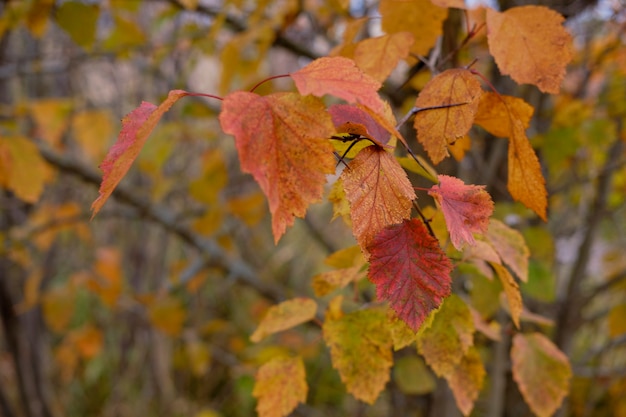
{"x": 466, "y": 380}
{"x": 340, "y": 77}
{"x": 447, "y": 340}
{"x": 280, "y": 385}
{"x": 410, "y": 270}
{"x": 352, "y": 119}
{"x": 542, "y": 372}
{"x": 379, "y": 193}
{"x": 495, "y": 112}
{"x": 136, "y": 127}
{"x": 437, "y": 128}
{"x": 512, "y": 292}
{"x": 467, "y": 208}
{"x": 282, "y": 142}
{"x": 510, "y": 246}
{"x": 360, "y": 349}
{"x": 530, "y": 44}
{"x": 284, "y": 316}
{"x": 379, "y": 56}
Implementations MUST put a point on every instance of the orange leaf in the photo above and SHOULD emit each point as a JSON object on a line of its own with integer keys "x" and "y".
{"x": 22, "y": 169}
{"x": 449, "y": 337}
{"x": 530, "y": 44}
{"x": 467, "y": 208}
{"x": 58, "y": 307}
{"x": 356, "y": 120}
{"x": 282, "y": 141}
{"x": 379, "y": 56}
{"x": 168, "y": 315}
{"x": 136, "y": 127}
{"x": 495, "y": 112}
{"x": 360, "y": 349}
{"x": 420, "y": 17}
{"x": 509, "y": 244}
{"x": 379, "y": 193}
{"x": 511, "y": 290}
{"x": 437, "y": 128}
{"x": 542, "y": 372}
{"x": 284, "y": 316}
{"x": 466, "y": 380}
{"x": 526, "y": 183}
{"x": 340, "y": 77}
{"x": 280, "y": 385}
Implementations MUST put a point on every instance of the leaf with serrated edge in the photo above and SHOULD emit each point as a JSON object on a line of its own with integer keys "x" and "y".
{"x": 509, "y": 244}
{"x": 541, "y": 371}
{"x": 466, "y": 380}
{"x": 530, "y": 44}
{"x": 279, "y": 386}
{"x": 512, "y": 292}
{"x": 360, "y": 349}
{"x": 467, "y": 208}
{"x": 284, "y": 316}
{"x": 339, "y": 77}
{"x": 379, "y": 193}
{"x": 495, "y": 112}
{"x": 136, "y": 127}
{"x": 437, "y": 128}
{"x": 282, "y": 141}
{"x": 379, "y": 56}
{"x": 410, "y": 271}
{"x": 449, "y": 337}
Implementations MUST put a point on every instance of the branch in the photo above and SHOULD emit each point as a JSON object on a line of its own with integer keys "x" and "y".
{"x": 210, "y": 251}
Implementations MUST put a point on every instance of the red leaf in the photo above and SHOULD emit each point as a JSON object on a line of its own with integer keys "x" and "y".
{"x": 344, "y": 115}
{"x": 340, "y": 77}
{"x": 467, "y": 208}
{"x": 136, "y": 127}
{"x": 410, "y": 271}
{"x": 281, "y": 139}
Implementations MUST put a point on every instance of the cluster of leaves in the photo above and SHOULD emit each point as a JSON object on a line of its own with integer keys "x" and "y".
{"x": 290, "y": 142}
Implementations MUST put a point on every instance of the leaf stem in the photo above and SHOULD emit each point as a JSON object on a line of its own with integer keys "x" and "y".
{"x": 205, "y": 95}
{"x": 424, "y": 219}
{"x": 268, "y": 79}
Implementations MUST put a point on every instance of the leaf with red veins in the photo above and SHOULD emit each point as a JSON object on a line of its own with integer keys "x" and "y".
{"x": 379, "y": 192}
{"x": 136, "y": 127}
{"x": 339, "y": 77}
{"x": 282, "y": 141}
{"x": 467, "y": 208}
{"x": 409, "y": 270}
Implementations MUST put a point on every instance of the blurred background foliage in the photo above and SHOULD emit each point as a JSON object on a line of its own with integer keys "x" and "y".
{"x": 148, "y": 308}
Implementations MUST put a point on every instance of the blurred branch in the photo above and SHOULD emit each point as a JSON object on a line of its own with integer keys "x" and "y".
{"x": 599, "y": 350}
{"x": 210, "y": 251}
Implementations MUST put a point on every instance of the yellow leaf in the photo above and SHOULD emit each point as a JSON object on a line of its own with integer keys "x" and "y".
{"x": 280, "y": 386}
{"x": 58, "y": 307}
{"x": 199, "y": 357}
{"x": 108, "y": 282}
{"x": 22, "y": 169}
{"x": 379, "y": 56}
{"x": 346, "y": 258}
{"x": 213, "y": 178}
{"x": 210, "y": 221}
{"x": 93, "y": 130}
{"x": 466, "y": 381}
{"x": 412, "y": 376}
{"x": 510, "y": 246}
{"x": 80, "y": 21}
{"x": 126, "y": 34}
{"x": 250, "y": 208}
{"x": 460, "y": 147}
{"x": 168, "y": 315}
{"x": 495, "y": 113}
{"x": 617, "y": 320}
{"x": 401, "y": 334}
{"x": 52, "y": 118}
{"x": 341, "y": 206}
{"x": 37, "y": 19}
{"x": 284, "y": 316}
{"x": 511, "y": 290}
{"x": 360, "y": 349}
{"x": 330, "y": 281}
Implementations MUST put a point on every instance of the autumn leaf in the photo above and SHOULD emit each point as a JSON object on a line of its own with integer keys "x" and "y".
{"x": 410, "y": 270}
{"x": 379, "y": 56}
{"x": 52, "y": 118}
{"x": 437, "y": 128}
{"x": 168, "y": 315}
{"x": 339, "y": 77}
{"x": 354, "y": 120}
{"x": 542, "y": 372}
{"x": 379, "y": 193}
{"x": 136, "y": 127}
{"x": 284, "y": 316}
{"x": 467, "y": 208}
{"x": 22, "y": 169}
{"x": 421, "y": 18}
{"x": 401, "y": 334}
{"x": 360, "y": 349}
{"x": 466, "y": 380}
{"x": 512, "y": 292}
{"x": 282, "y": 141}
{"x": 280, "y": 385}
{"x": 530, "y": 44}
{"x": 450, "y": 335}
{"x": 495, "y": 113}
{"x": 510, "y": 246}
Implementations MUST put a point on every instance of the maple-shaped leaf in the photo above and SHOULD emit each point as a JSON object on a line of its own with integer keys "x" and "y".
{"x": 282, "y": 141}
{"x": 419, "y": 17}
{"x": 280, "y": 385}
{"x": 510, "y": 246}
{"x": 467, "y": 208}
{"x": 284, "y": 316}
{"x": 449, "y": 336}
{"x": 542, "y": 372}
{"x": 530, "y": 44}
{"x": 360, "y": 349}
{"x": 410, "y": 270}
{"x": 136, "y": 127}
{"x": 339, "y": 77}
{"x": 466, "y": 380}
{"x": 512, "y": 292}
{"x": 379, "y": 192}
{"x": 495, "y": 112}
{"x": 379, "y": 56}
{"x": 437, "y": 128}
